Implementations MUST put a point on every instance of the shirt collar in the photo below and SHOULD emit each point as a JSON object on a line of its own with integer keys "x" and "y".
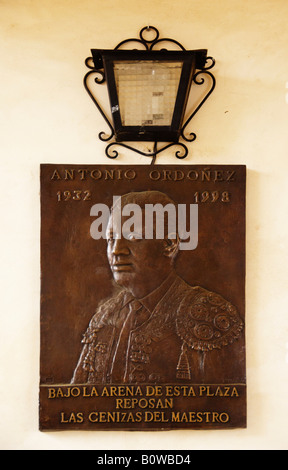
{"x": 151, "y": 300}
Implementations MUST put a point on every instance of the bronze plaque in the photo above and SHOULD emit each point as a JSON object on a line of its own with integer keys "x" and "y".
{"x": 142, "y": 297}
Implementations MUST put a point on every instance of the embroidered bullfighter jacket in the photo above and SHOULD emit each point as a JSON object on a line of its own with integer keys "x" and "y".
{"x": 179, "y": 333}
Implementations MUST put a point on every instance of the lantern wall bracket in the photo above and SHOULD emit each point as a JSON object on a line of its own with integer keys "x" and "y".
{"x": 96, "y": 70}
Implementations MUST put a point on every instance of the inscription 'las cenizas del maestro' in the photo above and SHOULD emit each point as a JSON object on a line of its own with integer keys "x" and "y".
{"x": 142, "y": 297}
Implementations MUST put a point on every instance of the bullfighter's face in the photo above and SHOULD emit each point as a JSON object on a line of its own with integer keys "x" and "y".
{"x": 138, "y": 264}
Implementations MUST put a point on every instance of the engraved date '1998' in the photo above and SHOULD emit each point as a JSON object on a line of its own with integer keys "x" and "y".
{"x": 211, "y": 196}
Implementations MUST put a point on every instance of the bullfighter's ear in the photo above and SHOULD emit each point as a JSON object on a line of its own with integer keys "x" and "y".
{"x": 171, "y": 245}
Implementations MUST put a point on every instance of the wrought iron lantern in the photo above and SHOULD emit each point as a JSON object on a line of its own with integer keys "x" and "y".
{"x": 148, "y": 92}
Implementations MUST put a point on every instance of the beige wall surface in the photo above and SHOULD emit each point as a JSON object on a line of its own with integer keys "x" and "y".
{"x": 47, "y": 117}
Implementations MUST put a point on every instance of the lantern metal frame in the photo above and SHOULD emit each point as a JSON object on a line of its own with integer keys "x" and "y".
{"x": 196, "y": 65}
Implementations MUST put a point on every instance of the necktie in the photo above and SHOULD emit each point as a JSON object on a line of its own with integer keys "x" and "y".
{"x": 121, "y": 352}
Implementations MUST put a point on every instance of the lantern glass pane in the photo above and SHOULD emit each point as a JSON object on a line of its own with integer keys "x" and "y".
{"x": 147, "y": 91}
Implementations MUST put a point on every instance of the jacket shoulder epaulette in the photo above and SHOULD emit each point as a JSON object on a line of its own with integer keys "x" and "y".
{"x": 206, "y": 321}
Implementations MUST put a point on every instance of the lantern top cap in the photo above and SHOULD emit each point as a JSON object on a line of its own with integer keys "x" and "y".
{"x": 199, "y": 56}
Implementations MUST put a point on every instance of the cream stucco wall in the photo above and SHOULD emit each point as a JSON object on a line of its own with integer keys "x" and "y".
{"x": 46, "y": 116}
